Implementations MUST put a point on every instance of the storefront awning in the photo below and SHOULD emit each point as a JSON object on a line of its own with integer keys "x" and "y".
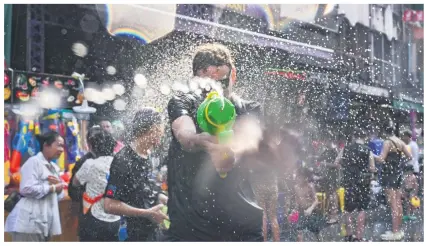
{"x": 236, "y": 35}
{"x": 154, "y": 22}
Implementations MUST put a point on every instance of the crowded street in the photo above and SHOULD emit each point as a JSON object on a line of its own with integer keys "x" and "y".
{"x": 213, "y": 122}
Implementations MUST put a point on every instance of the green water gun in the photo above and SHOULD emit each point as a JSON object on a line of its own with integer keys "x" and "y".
{"x": 216, "y": 116}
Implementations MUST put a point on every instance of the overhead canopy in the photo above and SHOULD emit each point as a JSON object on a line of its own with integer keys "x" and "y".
{"x": 152, "y": 22}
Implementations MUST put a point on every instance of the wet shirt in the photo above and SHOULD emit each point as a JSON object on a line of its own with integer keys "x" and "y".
{"x": 202, "y": 206}
{"x": 93, "y": 174}
{"x": 329, "y": 156}
{"x": 129, "y": 182}
{"x": 355, "y": 162}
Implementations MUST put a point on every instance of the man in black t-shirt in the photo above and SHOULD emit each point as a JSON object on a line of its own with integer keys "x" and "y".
{"x": 330, "y": 180}
{"x": 130, "y": 192}
{"x": 202, "y": 206}
{"x": 358, "y": 166}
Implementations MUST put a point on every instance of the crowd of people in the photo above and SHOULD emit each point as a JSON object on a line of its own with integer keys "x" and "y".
{"x": 119, "y": 200}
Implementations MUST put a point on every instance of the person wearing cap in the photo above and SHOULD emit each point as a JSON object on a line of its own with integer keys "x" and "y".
{"x": 202, "y": 205}
{"x": 130, "y": 193}
{"x": 358, "y": 169}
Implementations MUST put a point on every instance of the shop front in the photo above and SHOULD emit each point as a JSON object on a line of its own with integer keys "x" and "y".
{"x": 369, "y": 106}
{"x": 409, "y": 112}
{"x": 36, "y": 103}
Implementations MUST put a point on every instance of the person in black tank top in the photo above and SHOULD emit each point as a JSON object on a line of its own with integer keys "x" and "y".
{"x": 391, "y": 156}
{"x": 358, "y": 168}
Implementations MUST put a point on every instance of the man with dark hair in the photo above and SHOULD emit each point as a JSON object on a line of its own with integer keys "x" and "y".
{"x": 130, "y": 192}
{"x": 203, "y": 206}
{"x": 358, "y": 166}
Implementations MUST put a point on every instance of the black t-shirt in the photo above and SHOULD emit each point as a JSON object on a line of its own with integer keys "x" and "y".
{"x": 202, "y": 206}
{"x": 129, "y": 182}
{"x": 355, "y": 162}
{"x": 329, "y": 155}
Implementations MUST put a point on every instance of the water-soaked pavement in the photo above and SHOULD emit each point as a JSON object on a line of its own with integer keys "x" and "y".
{"x": 378, "y": 222}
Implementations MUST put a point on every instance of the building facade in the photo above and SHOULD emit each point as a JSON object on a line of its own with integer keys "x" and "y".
{"x": 371, "y": 54}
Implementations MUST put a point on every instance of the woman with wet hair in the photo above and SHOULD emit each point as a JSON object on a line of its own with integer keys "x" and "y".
{"x": 98, "y": 226}
{"x": 35, "y": 218}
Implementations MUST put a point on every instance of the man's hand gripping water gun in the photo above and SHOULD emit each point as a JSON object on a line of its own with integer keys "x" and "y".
{"x": 216, "y": 116}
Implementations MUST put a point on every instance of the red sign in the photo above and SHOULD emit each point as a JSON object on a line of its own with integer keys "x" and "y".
{"x": 413, "y": 15}
{"x": 418, "y": 33}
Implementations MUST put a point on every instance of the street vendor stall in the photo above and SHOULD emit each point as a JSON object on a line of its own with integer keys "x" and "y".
{"x": 39, "y": 103}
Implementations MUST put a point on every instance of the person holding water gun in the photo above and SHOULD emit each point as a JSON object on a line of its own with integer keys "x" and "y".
{"x": 201, "y": 201}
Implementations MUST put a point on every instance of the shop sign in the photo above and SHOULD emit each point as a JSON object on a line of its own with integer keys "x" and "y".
{"x": 413, "y": 15}
{"x": 408, "y": 98}
{"x": 288, "y": 74}
{"x": 320, "y": 78}
{"x": 368, "y": 90}
{"x": 408, "y": 106}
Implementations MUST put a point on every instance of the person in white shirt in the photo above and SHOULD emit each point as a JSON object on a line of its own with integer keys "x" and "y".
{"x": 99, "y": 226}
{"x": 414, "y": 150}
{"x": 35, "y": 218}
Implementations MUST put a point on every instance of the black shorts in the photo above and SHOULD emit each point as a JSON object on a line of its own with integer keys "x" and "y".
{"x": 95, "y": 230}
{"x": 313, "y": 223}
{"x": 391, "y": 181}
{"x": 357, "y": 197}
